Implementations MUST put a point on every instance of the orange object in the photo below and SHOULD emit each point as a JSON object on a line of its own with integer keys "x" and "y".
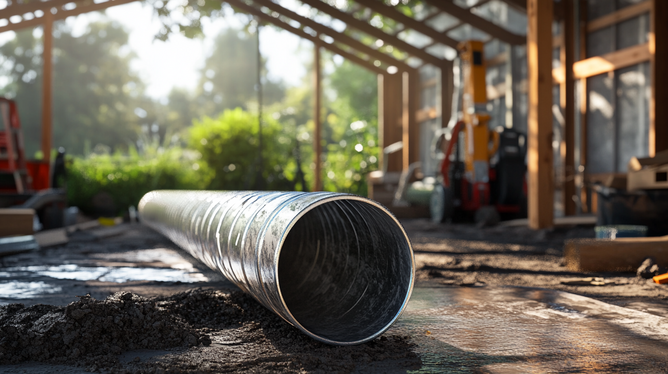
{"x": 661, "y": 279}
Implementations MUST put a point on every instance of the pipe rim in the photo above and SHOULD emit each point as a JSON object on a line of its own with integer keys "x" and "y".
{"x": 327, "y": 199}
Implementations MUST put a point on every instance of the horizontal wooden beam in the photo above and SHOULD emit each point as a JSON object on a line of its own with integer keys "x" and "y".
{"x": 619, "y": 16}
{"x": 302, "y": 34}
{"x": 611, "y": 61}
{"x": 372, "y": 31}
{"x": 478, "y": 22}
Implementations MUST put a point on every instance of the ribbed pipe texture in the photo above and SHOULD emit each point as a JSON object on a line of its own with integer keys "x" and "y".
{"x": 338, "y": 267}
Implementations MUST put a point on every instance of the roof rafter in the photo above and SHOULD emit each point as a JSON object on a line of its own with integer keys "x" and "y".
{"x": 478, "y": 22}
{"x": 81, "y": 7}
{"x": 338, "y": 36}
{"x": 412, "y": 23}
{"x": 370, "y": 30}
{"x": 302, "y": 34}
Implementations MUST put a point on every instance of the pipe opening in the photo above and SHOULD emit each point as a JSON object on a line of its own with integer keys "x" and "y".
{"x": 345, "y": 271}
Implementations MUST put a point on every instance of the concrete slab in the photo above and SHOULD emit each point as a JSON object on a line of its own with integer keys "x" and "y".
{"x": 530, "y": 330}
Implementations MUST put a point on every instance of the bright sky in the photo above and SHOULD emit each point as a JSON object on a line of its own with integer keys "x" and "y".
{"x": 175, "y": 63}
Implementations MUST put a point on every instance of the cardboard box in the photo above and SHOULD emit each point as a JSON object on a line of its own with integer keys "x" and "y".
{"x": 14, "y": 222}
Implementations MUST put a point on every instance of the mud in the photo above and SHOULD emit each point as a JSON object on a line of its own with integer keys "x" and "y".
{"x": 197, "y": 322}
{"x": 198, "y": 331}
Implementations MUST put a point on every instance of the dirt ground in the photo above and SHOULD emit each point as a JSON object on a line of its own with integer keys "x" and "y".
{"x": 142, "y": 326}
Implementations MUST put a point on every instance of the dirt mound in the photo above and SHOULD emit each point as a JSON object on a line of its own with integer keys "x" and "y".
{"x": 204, "y": 330}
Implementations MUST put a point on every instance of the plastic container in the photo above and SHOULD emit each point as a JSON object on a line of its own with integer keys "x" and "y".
{"x": 620, "y": 231}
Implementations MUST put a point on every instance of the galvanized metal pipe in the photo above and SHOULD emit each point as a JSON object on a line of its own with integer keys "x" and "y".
{"x": 338, "y": 267}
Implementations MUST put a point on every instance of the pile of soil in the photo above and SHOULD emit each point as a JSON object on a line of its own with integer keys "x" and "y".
{"x": 198, "y": 331}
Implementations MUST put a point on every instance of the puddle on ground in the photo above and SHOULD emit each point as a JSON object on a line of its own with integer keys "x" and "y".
{"x": 26, "y": 290}
{"x": 105, "y": 274}
{"x": 152, "y": 265}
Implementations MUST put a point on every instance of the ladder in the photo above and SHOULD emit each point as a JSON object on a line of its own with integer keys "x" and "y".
{"x": 12, "y": 155}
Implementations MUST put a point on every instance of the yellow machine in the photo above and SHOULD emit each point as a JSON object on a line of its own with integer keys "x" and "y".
{"x": 474, "y": 103}
{"x": 472, "y": 184}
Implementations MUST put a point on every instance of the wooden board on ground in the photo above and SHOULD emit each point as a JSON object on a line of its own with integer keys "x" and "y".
{"x": 50, "y": 238}
{"x": 559, "y": 221}
{"x": 14, "y": 222}
{"x": 622, "y": 254}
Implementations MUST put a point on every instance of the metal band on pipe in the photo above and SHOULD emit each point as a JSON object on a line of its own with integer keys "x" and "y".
{"x": 338, "y": 267}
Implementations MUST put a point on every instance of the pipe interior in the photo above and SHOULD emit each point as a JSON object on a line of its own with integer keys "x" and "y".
{"x": 345, "y": 270}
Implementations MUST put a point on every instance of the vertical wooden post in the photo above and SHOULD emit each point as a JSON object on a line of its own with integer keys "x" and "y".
{"x": 413, "y": 125}
{"x": 582, "y": 167}
{"x": 405, "y": 119}
{"x": 446, "y": 92}
{"x": 382, "y": 133}
{"x": 392, "y": 118}
{"x": 539, "y": 55}
{"x": 567, "y": 101}
{"x": 317, "y": 146}
{"x": 658, "y": 48}
{"x": 47, "y": 82}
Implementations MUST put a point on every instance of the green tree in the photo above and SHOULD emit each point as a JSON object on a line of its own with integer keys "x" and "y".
{"x": 229, "y": 77}
{"x": 97, "y": 99}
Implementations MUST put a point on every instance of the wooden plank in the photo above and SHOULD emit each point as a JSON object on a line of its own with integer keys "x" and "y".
{"x": 558, "y": 221}
{"x": 611, "y": 61}
{"x": 412, "y": 23}
{"x": 478, "y": 22}
{"x": 366, "y": 28}
{"x": 14, "y": 222}
{"x": 567, "y": 102}
{"x": 622, "y": 254}
{"x": 539, "y": 55}
{"x": 47, "y": 90}
{"x": 619, "y": 16}
{"x": 317, "y": 133}
{"x": 658, "y": 110}
{"x": 50, "y": 238}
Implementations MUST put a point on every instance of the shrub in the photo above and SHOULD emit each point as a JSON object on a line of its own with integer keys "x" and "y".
{"x": 229, "y": 146}
{"x": 126, "y": 178}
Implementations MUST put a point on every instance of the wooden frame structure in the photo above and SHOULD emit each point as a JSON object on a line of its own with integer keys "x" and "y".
{"x": 397, "y": 61}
